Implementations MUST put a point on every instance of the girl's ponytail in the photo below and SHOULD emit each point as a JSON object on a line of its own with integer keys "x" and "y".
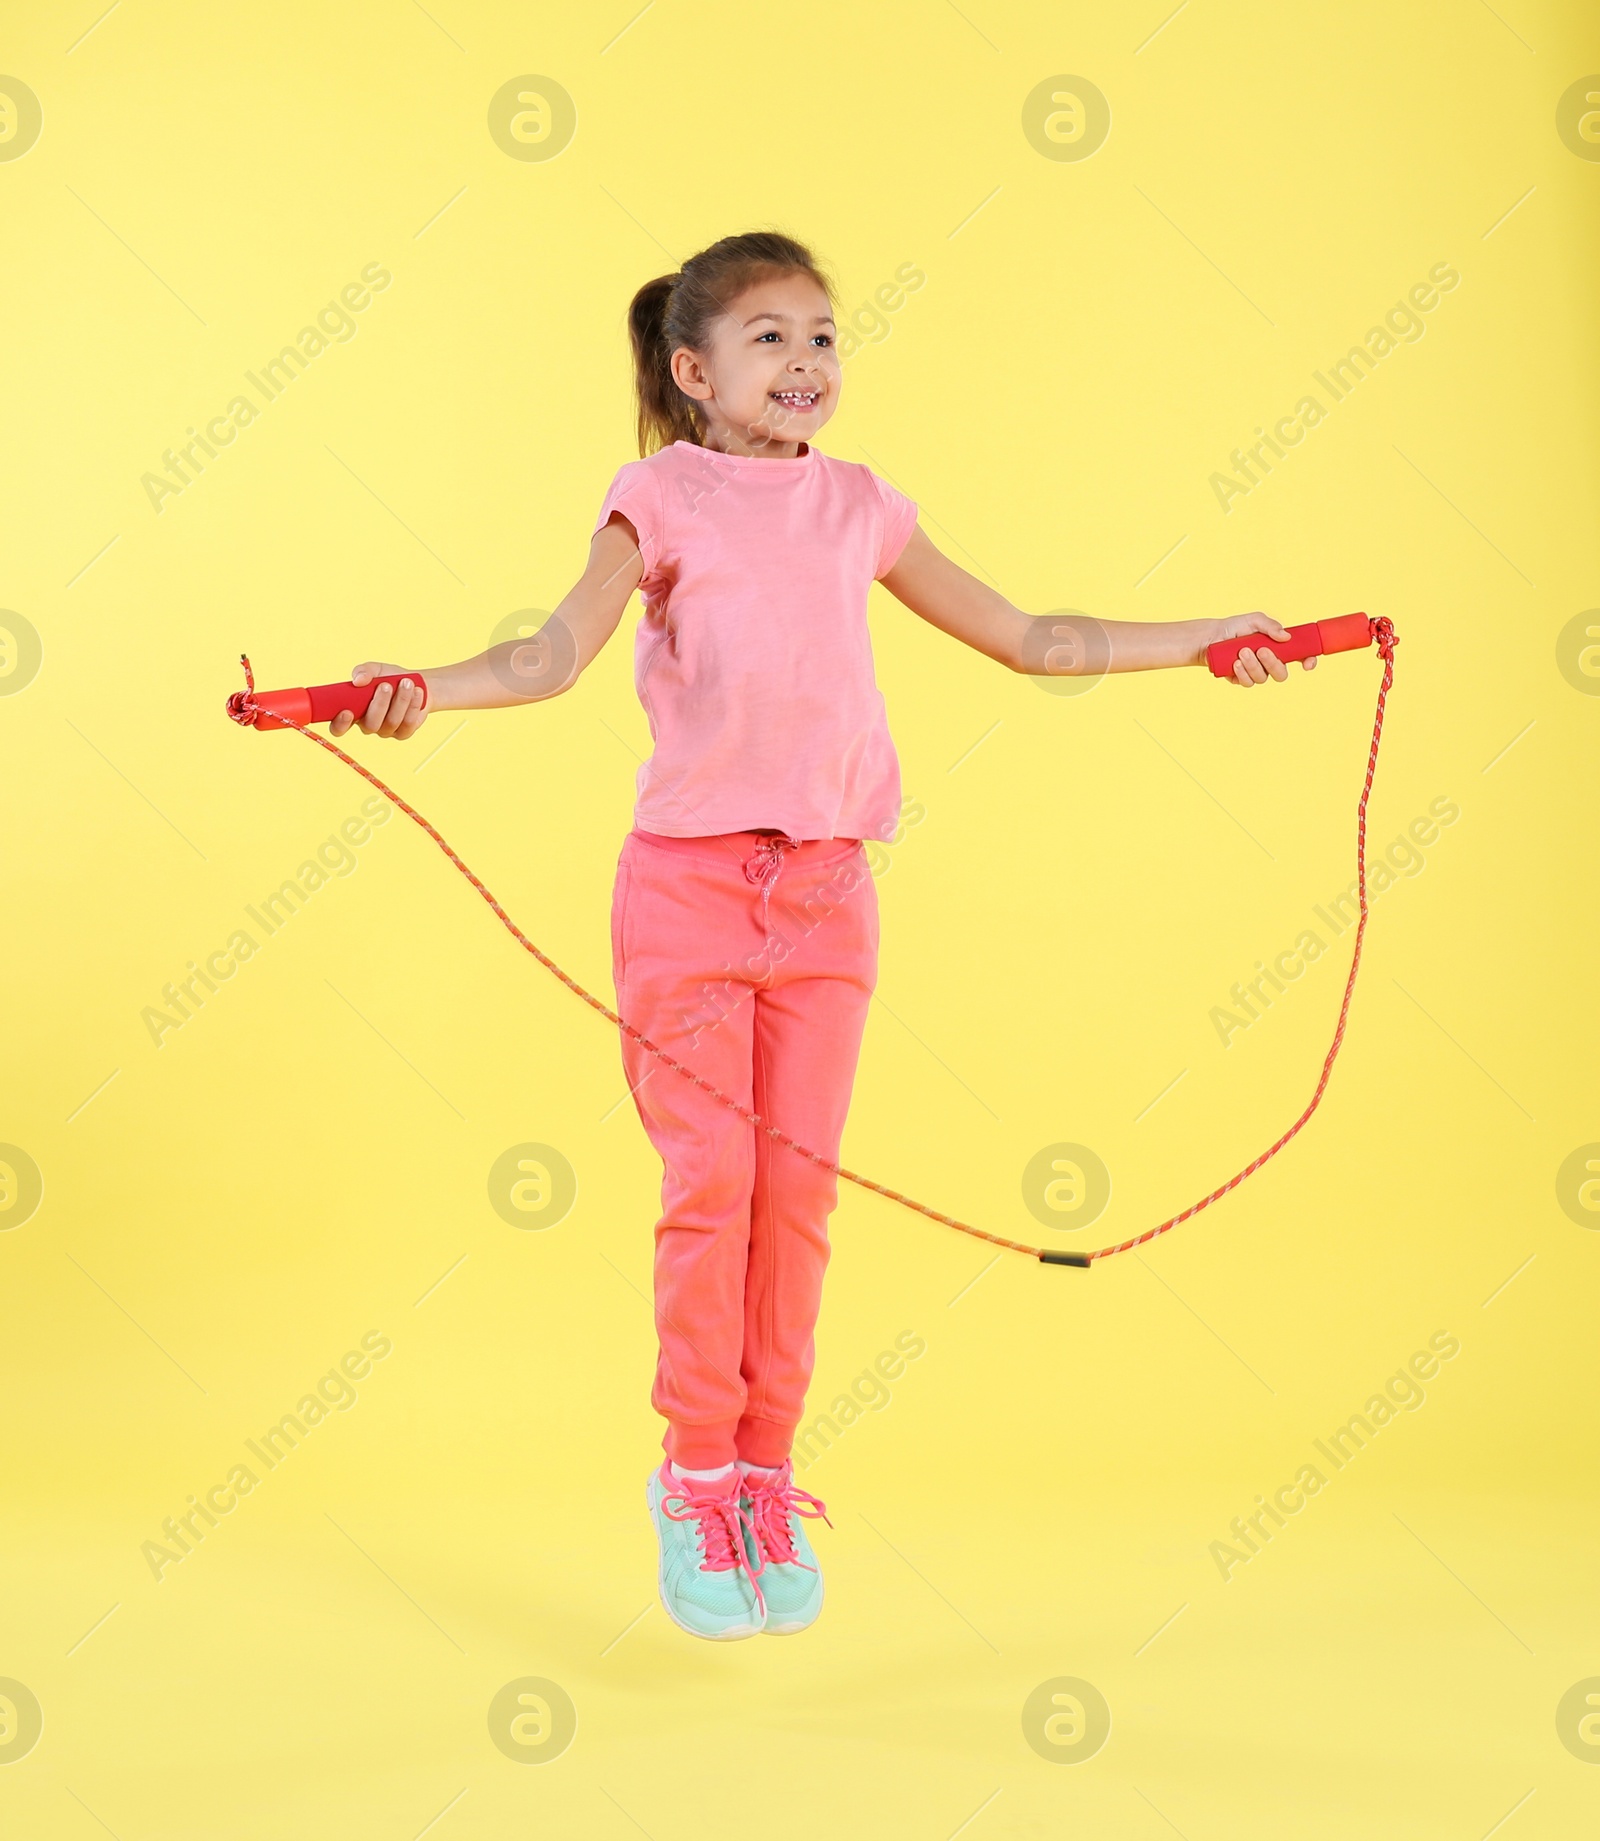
{"x": 665, "y": 414}
{"x": 681, "y": 309}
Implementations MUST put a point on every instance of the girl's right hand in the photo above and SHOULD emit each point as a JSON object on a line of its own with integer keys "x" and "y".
{"x": 395, "y": 710}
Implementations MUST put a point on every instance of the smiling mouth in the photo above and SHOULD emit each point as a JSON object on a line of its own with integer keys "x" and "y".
{"x": 799, "y": 400}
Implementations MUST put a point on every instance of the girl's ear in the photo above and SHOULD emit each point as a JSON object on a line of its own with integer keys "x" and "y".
{"x": 689, "y": 375}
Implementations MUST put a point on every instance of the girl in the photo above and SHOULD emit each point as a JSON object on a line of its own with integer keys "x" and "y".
{"x": 744, "y": 920}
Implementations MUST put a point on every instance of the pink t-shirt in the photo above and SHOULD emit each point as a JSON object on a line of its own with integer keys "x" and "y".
{"x": 753, "y": 660}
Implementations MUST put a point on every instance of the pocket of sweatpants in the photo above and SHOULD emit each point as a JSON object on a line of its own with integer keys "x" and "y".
{"x": 621, "y": 890}
{"x": 848, "y": 872}
{"x": 870, "y": 899}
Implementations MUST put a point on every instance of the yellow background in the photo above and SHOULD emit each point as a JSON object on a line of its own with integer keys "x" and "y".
{"x": 225, "y": 1215}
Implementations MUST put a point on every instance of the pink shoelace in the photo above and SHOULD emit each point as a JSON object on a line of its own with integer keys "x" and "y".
{"x": 772, "y": 1501}
{"x": 721, "y": 1522}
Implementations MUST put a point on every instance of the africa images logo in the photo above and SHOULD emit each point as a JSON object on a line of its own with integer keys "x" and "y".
{"x": 334, "y": 326}
{"x": 1402, "y": 324}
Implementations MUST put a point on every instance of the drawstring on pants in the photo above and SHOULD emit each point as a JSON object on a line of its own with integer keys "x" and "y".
{"x": 764, "y": 865}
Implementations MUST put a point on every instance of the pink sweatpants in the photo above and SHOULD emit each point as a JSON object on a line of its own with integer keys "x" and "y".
{"x": 751, "y": 958}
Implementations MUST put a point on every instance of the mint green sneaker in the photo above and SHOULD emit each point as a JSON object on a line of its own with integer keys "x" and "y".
{"x": 780, "y": 1551}
{"x": 708, "y": 1585}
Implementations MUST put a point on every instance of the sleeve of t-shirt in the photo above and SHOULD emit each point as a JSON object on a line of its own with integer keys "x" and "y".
{"x": 636, "y": 493}
{"x": 899, "y": 521}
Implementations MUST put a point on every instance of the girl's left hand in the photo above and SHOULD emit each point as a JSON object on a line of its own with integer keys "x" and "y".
{"x": 1256, "y": 663}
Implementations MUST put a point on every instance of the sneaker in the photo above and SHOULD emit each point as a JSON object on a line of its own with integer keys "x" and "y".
{"x": 780, "y": 1551}
{"x": 708, "y": 1585}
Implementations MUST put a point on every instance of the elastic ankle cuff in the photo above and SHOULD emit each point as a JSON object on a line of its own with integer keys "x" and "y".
{"x": 701, "y": 1447}
{"x": 764, "y": 1443}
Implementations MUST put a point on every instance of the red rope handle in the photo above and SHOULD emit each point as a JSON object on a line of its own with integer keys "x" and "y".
{"x": 242, "y": 708}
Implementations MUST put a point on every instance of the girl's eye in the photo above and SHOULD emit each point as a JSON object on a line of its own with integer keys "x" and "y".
{"x": 825, "y": 337}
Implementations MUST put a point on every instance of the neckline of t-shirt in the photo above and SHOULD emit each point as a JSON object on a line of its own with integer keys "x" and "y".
{"x": 758, "y": 465}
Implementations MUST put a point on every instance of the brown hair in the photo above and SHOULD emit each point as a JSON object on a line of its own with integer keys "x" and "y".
{"x": 681, "y": 309}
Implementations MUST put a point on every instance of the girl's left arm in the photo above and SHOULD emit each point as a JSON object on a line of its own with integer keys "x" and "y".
{"x": 947, "y": 597}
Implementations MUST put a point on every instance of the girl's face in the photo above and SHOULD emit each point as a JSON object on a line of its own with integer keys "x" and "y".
{"x": 771, "y": 376}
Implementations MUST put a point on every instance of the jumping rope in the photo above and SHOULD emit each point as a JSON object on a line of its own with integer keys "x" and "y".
{"x": 294, "y": 709}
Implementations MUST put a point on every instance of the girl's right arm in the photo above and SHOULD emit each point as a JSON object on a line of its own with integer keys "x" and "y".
{"x": 518, "y": 670}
